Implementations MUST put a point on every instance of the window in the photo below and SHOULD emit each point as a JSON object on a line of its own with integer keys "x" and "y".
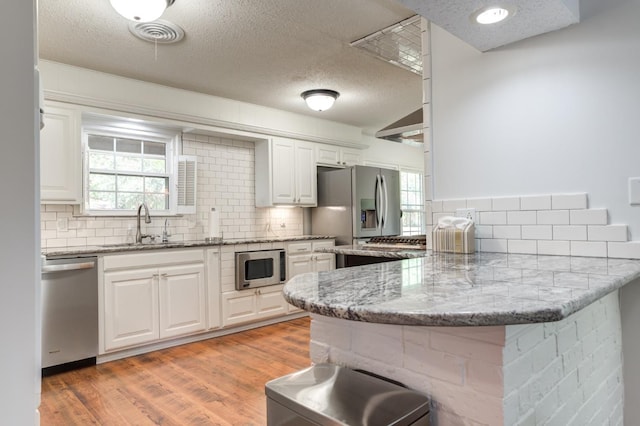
{"x": 412, "y": 203}
{"x": 125, "y": 168}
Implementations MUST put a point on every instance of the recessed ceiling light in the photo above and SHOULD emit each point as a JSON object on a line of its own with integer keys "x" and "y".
{"x": 491, "y": 15}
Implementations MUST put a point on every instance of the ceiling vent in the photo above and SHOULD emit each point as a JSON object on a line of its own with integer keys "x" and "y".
{"x": 159, "y": 31}
{"x": 400, "y": 44}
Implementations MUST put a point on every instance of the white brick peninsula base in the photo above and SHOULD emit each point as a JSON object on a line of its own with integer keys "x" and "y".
{"x": 567, "y": 372}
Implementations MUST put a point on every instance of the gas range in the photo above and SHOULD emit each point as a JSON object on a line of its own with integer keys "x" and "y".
{"x": 400, "y": 242}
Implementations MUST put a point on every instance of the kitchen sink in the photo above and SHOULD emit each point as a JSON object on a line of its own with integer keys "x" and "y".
{"x": 125, "y": 245}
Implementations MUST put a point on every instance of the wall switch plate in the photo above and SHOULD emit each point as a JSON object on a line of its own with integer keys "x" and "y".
{"x": 467, "y": 213}
{"x": 634, "y": 191}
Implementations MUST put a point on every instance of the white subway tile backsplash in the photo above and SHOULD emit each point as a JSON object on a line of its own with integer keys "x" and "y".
{"x": 493, "y": 218}
{"x": 537, "y": 232}
{"x": 436, "y": 205}
{"x": 588, "y": 217}
{"x": 521, "y": 218}
{"x": 506, "y": 232}
{"x": 559, "y": 224}
{"x": 480, "y": 204}
{"x": 588, "y": 248}
{"x": 493, "y": 245}
{"x": 225, "y": 181}
{"x": 557, "y": 248}
{"x": 553, "y": 217}
{"x": 452, "y": 205}
{"x": 570, "y": 232}
{"x": 626, "y": 250}
{"x": 535, "y": 202}
{"x": 568, "y": 201}
{"x": 522, "y": 246}
{"x": 607, "y": 233}
{"x": 484, "y": 231}
{"x": 505, "y": 203}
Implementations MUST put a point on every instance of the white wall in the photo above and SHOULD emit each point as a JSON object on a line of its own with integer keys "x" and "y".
{"x": 556, "y": 113}
{"x": 19, "y": 189}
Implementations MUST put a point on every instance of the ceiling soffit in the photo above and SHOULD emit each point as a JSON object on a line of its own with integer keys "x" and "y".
{"x": 528, "y": 18}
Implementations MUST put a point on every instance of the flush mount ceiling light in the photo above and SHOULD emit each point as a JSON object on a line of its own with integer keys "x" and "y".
{"x": 490, "y": 15}
{"x": 320, "y": 99}
{"x": 141, "y": 10}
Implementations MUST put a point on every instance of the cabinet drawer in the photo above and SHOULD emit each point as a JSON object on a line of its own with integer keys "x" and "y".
{"x": 155, "y": 258}
{"x": 298, "y": 248}
{"x": 323, "y": 243}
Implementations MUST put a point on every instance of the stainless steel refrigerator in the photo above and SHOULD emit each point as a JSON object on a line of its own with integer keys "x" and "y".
{"x": 357, "y": 203}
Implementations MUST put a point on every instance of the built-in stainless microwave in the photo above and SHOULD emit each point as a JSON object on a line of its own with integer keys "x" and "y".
{"x": 260, "y": 268}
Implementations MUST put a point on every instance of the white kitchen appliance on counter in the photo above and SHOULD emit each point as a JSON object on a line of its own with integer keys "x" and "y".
{"x": 454, "y": 235}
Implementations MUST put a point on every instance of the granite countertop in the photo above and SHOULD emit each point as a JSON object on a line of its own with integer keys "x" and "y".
{"x": 462, "y": 290}
{"x": 361, "y": 250}
{"x": 117, "y": 248}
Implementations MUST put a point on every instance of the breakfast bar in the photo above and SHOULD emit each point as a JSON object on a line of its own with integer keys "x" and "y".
{"x": 491, "y": 338}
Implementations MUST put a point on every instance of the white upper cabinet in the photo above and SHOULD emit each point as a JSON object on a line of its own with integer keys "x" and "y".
{"x": 335, "y": 156}
{"x": 61, "y": 155}
{"x": 285, "y": 173}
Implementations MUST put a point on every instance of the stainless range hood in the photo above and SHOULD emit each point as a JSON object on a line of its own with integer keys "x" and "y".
{"x": 406, "y": 130}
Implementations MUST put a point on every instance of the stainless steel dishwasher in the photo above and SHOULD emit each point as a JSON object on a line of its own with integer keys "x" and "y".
{"x": 69, "y": 313}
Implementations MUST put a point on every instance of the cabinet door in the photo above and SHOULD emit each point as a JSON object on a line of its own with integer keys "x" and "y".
{"x": 131, "y": 308}
{"x": 238, "y": 307}
{"x": 298, "y": 265}
{"x": 182, "y": 300}
{"x": 351, "y": 157}
{"x": 283, "y": 173}
{"x": 306, "y": 177}
{"x": 270, "y": 303}
{"x": 328, "y": 154}
{"x": 324, "y": 262}
{"x": 60, "y": 156}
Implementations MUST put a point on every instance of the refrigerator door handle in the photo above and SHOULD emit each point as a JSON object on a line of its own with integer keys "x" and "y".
{"x": 386, "y": 200}
{"x": 377, "y": 201}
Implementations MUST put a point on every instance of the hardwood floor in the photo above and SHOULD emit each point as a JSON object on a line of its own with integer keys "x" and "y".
{"x": 218, "y": 381}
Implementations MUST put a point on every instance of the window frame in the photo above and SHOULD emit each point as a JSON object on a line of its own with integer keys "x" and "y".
{"x": 135, "y": 130}
{"x": 421, "y": 210}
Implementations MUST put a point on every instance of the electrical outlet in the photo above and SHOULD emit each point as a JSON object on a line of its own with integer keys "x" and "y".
{"x": 634, "y": 191}
{"x": 467, "y": 213}
{"x": 283, "y": 225}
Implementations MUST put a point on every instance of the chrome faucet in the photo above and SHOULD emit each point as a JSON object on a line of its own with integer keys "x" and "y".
{"x": 165, "y": 232}
{"x": 147, "y": 219}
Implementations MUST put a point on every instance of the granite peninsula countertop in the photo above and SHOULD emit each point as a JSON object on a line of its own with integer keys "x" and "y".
{"x": 117, "y": 248}
{"x": 480, "y": 289}
{"x": 361, "y": 250}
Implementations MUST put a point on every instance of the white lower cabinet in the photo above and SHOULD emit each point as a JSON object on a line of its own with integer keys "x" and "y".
{"x": 130, "y": 308}
{"x": 149, "y": 303}
{"x": 301, "y": 258}
{"x": 251, "y": 305}
{"x": 182, "y": 300}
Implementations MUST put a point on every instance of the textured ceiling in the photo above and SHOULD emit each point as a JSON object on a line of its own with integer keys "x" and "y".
{"x": 527, "y": 18}
{"x": 264, "y": 52}
{"x": 267, "y": 52}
